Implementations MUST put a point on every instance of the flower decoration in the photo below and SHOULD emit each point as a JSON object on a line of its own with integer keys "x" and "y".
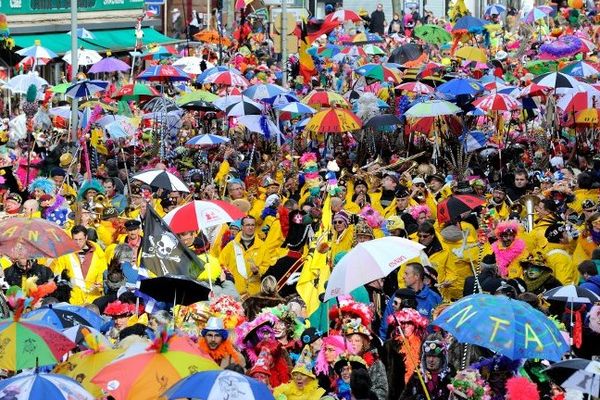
{"x": 469, "y": 385}
{"x": 228, "y": 309}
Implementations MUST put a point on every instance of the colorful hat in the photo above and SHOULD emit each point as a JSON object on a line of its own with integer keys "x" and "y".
{"x": 44, "y": 184}
{"x": 311, "y": 335}
{"x": 93, "y": 184}
{"x": 347, "y": 305}
{"x": 117, "y": 308}
{"x": 354, "y": 327}
{"x": 362, "y": 228}
{"x": 304, "y": 364}
{"x": 215, "y": 324}
{"x": 506, "y": 226}
{"x": 283, "y": 313}
{"x": 355, "y": 362}
{"x": 394, "y": 222}
{"x": 408, "y": 315}
{"x": 536, "y": 259}
{"x": 244, "y": 330}
{"x": 468, "y": 384}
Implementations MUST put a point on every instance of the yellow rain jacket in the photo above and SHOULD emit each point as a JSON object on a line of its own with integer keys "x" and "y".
{"x": 561, "y": 263}
{"x": 249, "y": 284}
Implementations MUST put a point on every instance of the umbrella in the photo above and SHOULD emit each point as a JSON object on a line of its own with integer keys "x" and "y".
{"x": 510, "y": 327}
{"x": 263, "y": 91}
{"x": 121, "y": 129}
{"x": 572, "y": 294}
{"x": 40, "y": 386}
{"x": 218, "y": 385}
{"x": 163, "y": 73}
{"x": 85, "y": 88}
{"x": 364, "y": 38}
{"x": 588, "y": 116}
{"x": 373, "y": 50}
{"x": 564, "y": 46}
{"x": 191, "y": 65}
{"x": 576, "y": 373}
{"x": 497, "y": 102}
{"x": 432, "y": 108}
{"x": 379, "y": 72}
{"x": 433, "y": 34}
{"x": 469, "y": 24}
{"x": 78, "y": 333}
{"x": 136, "y": 91}
{"x": 159, "y": 178}
{"x": 37, "y": 51}
{"x": 84, "y": 57}
{"x": 196, "y": 95}
{"x": 576, "y": 101}
{"x": 207, "y": 140}
{"x": 537, "y": 13}
{"x": 58, "y": 318}
{"x": 201, "y": 214}
{"x": 175, "y": 289}
{"x": 160, "y": 52}
{"x": 382, "y": 120}
{"x": 461, "y": 86}
{"x": 296, "y": 108}
{"x": 243, "y": 107}
{"x": 416, "y": 87}
{"x": 324, "y": 98}
{"x": 228, "y": 78}
{"x": 369, "y": 261}
{"x": 109, "y": 64}
{"x": 451, "y": 208}
{"x": 561, "y": 83}
{"x": 353, "y": 51}
{"x": 327, "y": 51}
{"x": 161, "y": 105}
{"x": 495, "y": 9}
{"x": 580, "y": 69}
{"x": 60, "y": 88}
{"x": 405, "y": 53}
{"x": 334, "y": 120}
{"x": 27, "y": 345}
{"x": 260, "y": 124}
{"x": 340, "y": 16}
{"x": 212, "y": 36}
{"x": 34, "y": 238}
{"x": 83, "y": 33}
{"x": 20, "y": 83}
{"x": 62, "y": 111}
{"x": 223, "y": 102}
{"x": 220, "y": 68}
{"x": 534, "y": 89}
{"x": 472, "y": 54}
{"x": 473, "y": 140}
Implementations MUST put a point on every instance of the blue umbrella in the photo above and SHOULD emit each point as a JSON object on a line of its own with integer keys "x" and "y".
{"x": 41, "y": 386}
{"x": 216, "y": 385}
{"x": 473, "y": 140}
{"x": 85, "y": 88}
{"x": 510, "y": 327}
{"x": 282, "y": 99}
{"x": 263, "y": 91}
{"x": 207, "y": 140}
{"x": 83, "y": 33}
{"x": 64, "y": 315}
{"x": 495, "y": 9}
{"x": 469, "y": 24}
{"x": 459, "y": 86}
{"x": 297, "y": 108}
{"x": 200, "y": 78}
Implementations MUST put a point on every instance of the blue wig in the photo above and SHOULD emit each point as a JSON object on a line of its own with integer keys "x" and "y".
{"x": 94, "y": 184}
{"x": 46, "y": 185}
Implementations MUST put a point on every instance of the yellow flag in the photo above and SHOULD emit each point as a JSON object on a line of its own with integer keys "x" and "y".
{"x": 315, "y": 271}
{"x": 97, "y": 142}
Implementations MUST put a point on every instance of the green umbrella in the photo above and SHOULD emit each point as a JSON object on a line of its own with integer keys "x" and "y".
{"x": 60, "y": 88}
{"x": 539, "y": 67}
{"x": 433, "y": 34}
{"x": 197, "y": 95}
{"x": 320, "y": 318}
{"x": 136, "y": 91}
{"x": 432, "y": 108}
{"x": 373, "y": 50}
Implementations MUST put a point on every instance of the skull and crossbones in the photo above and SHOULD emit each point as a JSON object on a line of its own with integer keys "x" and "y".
{"x": 164, "y": 247}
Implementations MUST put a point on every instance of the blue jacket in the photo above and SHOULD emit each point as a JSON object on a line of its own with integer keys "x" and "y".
{"x": 592, "y": 284}
{"x": 427, "y": 300}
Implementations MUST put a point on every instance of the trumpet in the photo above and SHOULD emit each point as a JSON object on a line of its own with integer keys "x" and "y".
{"x": 529, "y": 201}
{"x": 376, "y": 161}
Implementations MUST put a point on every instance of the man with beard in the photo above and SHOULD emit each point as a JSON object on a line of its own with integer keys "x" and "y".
{"x": 497, "y": 203}
{"x": 214, "y": 342}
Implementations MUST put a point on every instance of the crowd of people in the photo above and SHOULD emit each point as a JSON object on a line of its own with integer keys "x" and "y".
{"x": 516, "y": 216}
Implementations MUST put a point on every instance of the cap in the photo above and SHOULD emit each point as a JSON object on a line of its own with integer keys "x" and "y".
{"x": 393, "y": 176}
{"x": 14, "y": 197}
{"x": 418, "y": 180}
{"x": 463, "y": 187}
{"x": 394, "y": 222}
{"x": 109, "y": 213}
{"x": 132, "y": 224}
{"x": 401, "y": 192}
{"x": 437, "y": 177}
{"x": 311, "y": 335}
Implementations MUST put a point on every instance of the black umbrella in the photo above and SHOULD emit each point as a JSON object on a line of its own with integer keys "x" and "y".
{"x": 382, "y": 120}
{"x": 571, "y": 294}
{"x": 577, "y": 373}
{"x": 175, "y": 289}
{"x": 199, "y": 105}
{"x": 405, "y": 53}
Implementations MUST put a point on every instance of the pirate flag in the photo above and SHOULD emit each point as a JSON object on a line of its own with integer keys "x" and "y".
{"x": 162, "y": 251}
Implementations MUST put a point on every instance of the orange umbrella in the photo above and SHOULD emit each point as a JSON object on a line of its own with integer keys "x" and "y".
{"x": 213, "y": 37}
{"x": 333, "y": 120}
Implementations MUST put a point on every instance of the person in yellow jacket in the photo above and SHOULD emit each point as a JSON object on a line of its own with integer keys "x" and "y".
{"x": 556, "y": 255}
{"x": 496, "y": 202}
{"x": 545, "y": 216}
{"x": 588, "y": 240}
{"x": 245, "y": 258}
{"x": 270, "y": 187}
{"x": 384, "y": 202}
{"x": 199, "y": 244}
{"x": 85, "y": 268}
{"x": 304, "y": 384}
{"x": 509, "y": 249}
{"x": 343, "y": 233}
{"x": 584, "y": 192}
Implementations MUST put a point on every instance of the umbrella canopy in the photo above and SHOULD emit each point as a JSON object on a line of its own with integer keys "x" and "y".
{"x": 296, "y": 108}
{"x": 577, "y": 101}
{"x": 20, "y": 83}
{"x": 27, "y": 345}
{"x": 369, "y": 261}
{"x": 219, "y": 68}
{"x": 109, "y": 64}
{"x": 227, "y": 78}
{"x": 78, "y": 334}
{"x": 64, "y": 315}
{"x": 433, "y": 34}
{"x": 62, "y": 111}
{"x": 340, "y": 16}
{"x": 497, "y": 102}
{"x": 202, "y": 95}
{"x": 243, "y": 107}
{"x": 325, "y": 98}
{"x": 136, "y": 91}
{"x": 576, "y": 373}
{"x": 85, "y": 88}
{"x": 37, "y": 51}
{"x": 572, "y": 294}
{"x": 383, "y": 120}
{"x": 34, "y": 238}
{"x": 534, "y": 90}
{"x": 373, "y": 50}
{"x": 510, "y": 327}
{"x": 83, "y": 33}
{"x": 472, "y": 54}
{"x": 405, "y": 53}
{"x": 263, "y": 91}
{"x": 207, "y": 140}
{"x": 461, "y": 86}
{"x": 380, "y": 72}
{"x": 333, "y": 120}
{"x": 416, "y": 87}
{"x": 495, "y": 9}
{"x": 161, "y": 105}
{"x": 191, "y": 65}
{"x": 213, "y": 37}
{"x": 84, "y": 57}
{"x": 352, "y": 51}
{"x": 558, "y": 81}
{"x": 432, "y": 108}
{"x": 159, "y": 178}
{"x": 260, "y": 124}
{"x": 449, "y": 209}
{"x": 588, "y": 116}
{"x": 327, "y": 51}
{"x": 564, "y": 46}
{"x": 469, "y": 24}
{"x": 580, "y": 69}
{"x": 537, "y": 13}
{"x": 39, "y": 386}
{"x": 216, "y": 385}
{"x": 163, "y": 73}
{"x": 201, "y": 214}
{"x": 175, "y": 289}
{"x": 364, "y": 38}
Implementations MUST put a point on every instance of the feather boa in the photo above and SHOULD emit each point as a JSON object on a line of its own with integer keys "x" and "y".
{"x": 59, "y": 203}
{"x": 224, "y": 350}
{"x": 519, "y": 387}
{"x": 284, "y": 220}
{"x": 410, "y": 347}
{"x": 505, "y": 256}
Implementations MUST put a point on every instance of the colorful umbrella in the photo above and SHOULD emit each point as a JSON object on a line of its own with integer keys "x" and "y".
{"x": 432, "y": 108}
{"x": 263, "y": 91}
{"x": 21, "y": 83}
{"x": 34, "y": 238}
{"x": 534, "y": 90}
{"x": 327, "y": 51}
{"x": 84, "y": 57}
{"x": 243, "y": 107}
{"x": 469, "y": 24}
{"x": 380, "y": 72}
{"x": 260, "y": 124}
{"x": 27, "y": 345}
{"x": 197, "y": 95}
{"x": 136, "y": 91}
{"x": 450, "y": 209}
{"x": 147, "y": 375}
{"x": 578, "y": 101}
{"x": 369, "y": 261}
{"x": 495, "y": 9}
{"x": 581, "y": 69}
{"x": 213, "y": 37}
{"x": 218, "y": 385}
{"x": 220, "y": 68}
{"x": 85, "y": 88}
{"x": 353, "y": 51}
{"x": 572, "y": 294}
{"x": 564, "y": 46}
{"x": 42, "y": 386}
{"x": 471, "y": 53}
{"x": 297, "y": 108}
{"x": 58, "y": 319}
{"x": 340, "y": 16}
{"x": 497, "y": 102}
{"x": 109, "y": 64}
{"x": 206, "y": 140}
{"x": 325, "y": 98}
{"x": 558, "y": 81}
{"x": 373, "y": 50}
{"x": 405, "y": 53}
{"x": 83, "y": 33}
{"x": 159, "y": 52}
{"x": 333, "y": 120}
{"x": 37, "y": 51}
{"x": 364, "y": 38}
{"x": 510, "y": 327}
{"x": 537, "y": 13}
{"x": 163, "y": 73}
{"x": 460, "y": 86}
{"x": 578, "y": 374}
{"x": 201, "y": 214}
{"x": 433, "y": 34}
{"x": 228, "y": 78}
{"x": 159, "y": 178}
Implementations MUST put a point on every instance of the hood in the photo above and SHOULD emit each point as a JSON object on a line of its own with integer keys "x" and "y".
{"x": 451, "y": 234}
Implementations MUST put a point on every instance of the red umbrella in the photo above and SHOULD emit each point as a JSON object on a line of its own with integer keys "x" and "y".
{"x": 201, "y": 214}
{"x": 497, "y": 102}
{"x": 416, "y": 87}
{"x": 163, "y": 73}
{"x": 450, "y": 209}
{"x": 34, "y": 238}
{"x": 340, "y": 16}
{"x": 534, "y": 90}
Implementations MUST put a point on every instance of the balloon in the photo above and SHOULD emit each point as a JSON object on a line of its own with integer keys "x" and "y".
{"x": 578, "y": 4}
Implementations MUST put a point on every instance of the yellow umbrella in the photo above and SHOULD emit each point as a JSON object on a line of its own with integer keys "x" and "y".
{"x": 588, "y": 116}
{"x": 472, "y": 54}
{"x": 333, "y": 120}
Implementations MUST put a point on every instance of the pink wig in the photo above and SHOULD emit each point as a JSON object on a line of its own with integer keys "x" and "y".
{"x": 417, "y": 210}
{"x": 504, "y": 226}
{"x": 373, "y": 218}
{"x": 341, "y": 346}
{"x": 519, "y": 387}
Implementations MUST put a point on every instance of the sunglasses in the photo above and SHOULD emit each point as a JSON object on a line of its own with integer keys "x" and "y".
{"x": 424, "y": 235}
{"x": 339, "y": 222}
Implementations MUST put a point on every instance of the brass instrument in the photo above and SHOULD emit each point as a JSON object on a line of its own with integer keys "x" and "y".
{"x": 399, "y": 163}
{"x": 529, "y": 202}
{"x": 376, "y": 161}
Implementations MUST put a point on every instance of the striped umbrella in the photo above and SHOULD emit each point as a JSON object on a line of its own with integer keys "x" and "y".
{"x": 365, "y": 38}
{"x": 495, "y": 9}
{"x": 577, "y": 373}
{"x": 37, "y": 51}
{"x": 580, "y": 69}
{"x": 534, "y": 90}
{"x": 159, "y": 178}
{"x": 497, "y": 102}
{"x": 432, "y": 108}
{"x": 85, "y": 88}
{"x": 353, "y": 51}
{"x": 297, "y": 108}
{"x": 228, "y": 78}
{"x": 373, "y": 50}
{"x": 327, "y": 51}
{"x": 39, "y": 386}
{"x": 220, "y": 68}
{"x": 325, "y": 98}
{"x": 263, "y": 91}
{"x": 537, "y": 13}
{"x": 207, "y": 140}
{"x": 379, "y": 72}
{"x": 334, "y": 120}
{"x": 163, "y": 73}
{"x": 243, "y": 107}
{"x": 260, "y": 124}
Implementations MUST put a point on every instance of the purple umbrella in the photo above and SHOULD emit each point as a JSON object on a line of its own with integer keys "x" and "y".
{"x": 109, "y": 64}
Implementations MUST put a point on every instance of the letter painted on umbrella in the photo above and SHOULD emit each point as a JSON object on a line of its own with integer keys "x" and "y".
{"x": 33, "y": 236}
{"x": 52, "y": 232}
{"x": 396, "y": 261}
{"x": 465, "y": 316}
{"x": 531, "y": 336}
{"x": 498, "y": 324}
{"x": 10, "y": 231}
{"x": 553, "y": 336}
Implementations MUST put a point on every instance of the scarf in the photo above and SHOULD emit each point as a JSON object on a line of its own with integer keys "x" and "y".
{"x": 534, "y": 284}
{"x": 505, "y": 256}
{"x": 225, "y": 349}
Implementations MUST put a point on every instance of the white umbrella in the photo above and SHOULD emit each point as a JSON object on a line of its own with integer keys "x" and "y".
{"x": 260, "y": 124}
{"x": 84, "y": 57}
{"x": 83, "y": 34}
{"x": 62, "y": 111}
{"x": 224, "y": 102}
{"x": 37, "y": 51}
{"x": 191, "y": 65}
{"x": 20, "y": 83}
{"x": 369, "y": 261}
{"x": 162, "y": 179}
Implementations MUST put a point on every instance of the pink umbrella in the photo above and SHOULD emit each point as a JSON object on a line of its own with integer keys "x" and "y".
{"x": 228, "y": 78}
{"x": 201, "y": 214}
